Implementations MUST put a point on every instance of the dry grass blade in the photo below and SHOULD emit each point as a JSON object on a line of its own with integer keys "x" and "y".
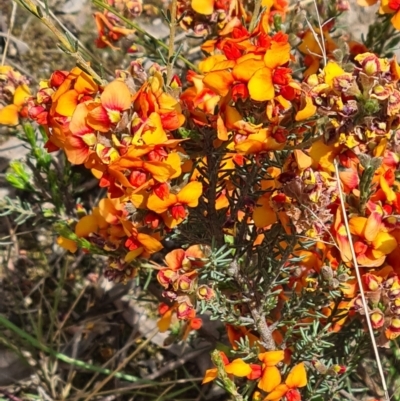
{"x": 10, "y": 28}
{"x": 359, "y": 281}
{"x": 322, "y": 45}
{"x": 120, "y": 366}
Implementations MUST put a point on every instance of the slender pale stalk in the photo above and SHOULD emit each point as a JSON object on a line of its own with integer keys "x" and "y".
{"x": 10, "y": 28}
{"x": 172, "y": 30}
{"x": 360, "y": 284}
{"x": 62, "y": 38}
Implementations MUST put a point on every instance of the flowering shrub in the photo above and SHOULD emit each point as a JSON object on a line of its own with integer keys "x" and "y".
{"x": 272, "y": 166}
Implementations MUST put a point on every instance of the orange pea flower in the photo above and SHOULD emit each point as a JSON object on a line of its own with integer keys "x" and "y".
{"x": 237, "y": 368}
{"x": 297, "y": 378}
{"x": 271, "y": 376}
{"x": 14, "y": 84}
{"x": 386, "y": 7}
{"x": 115, "y": 99}
{"x": 173, "y": 207}
{"x": 371, "y": 242}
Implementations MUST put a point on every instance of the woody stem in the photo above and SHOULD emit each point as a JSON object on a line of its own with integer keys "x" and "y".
{"x": 255, "y": 308}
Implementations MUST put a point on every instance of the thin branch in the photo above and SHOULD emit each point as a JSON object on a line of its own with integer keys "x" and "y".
{"x": 10, "y": 28}
{"x": 321, "y": 45}
{"x": 360, "y": 284}
{"x": 321, "y": 33}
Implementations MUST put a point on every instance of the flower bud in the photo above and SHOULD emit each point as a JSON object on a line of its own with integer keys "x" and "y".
{"x": 183, "y": 283}
{"x": 342, "y": 5}
{"x": 369, "y": 63}
{"x": 185, "y": 311}
{"x": 395, "y": 306}
{"x": 377, "y": 319}
{"x": 339, "y": 369}
{"x": 393, "y": 294}
{"x": 327, "y": 273}
{"x": 186, "y": 264}
{"x": 165, "y": 277}
{"x": 57, "y": 78}
{"x": 395, "y": 325}
{"x": 320, "y": 367}
{"x": 372, "y": 282}
{"x": 205, "y": 292}
{"x": 393, "y": 331}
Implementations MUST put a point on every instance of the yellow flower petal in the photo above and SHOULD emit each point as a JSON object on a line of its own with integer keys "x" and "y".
{"x": 159, "y": 170}
{"x": 297, "y": 376}
{"x": 9, "y": 115}
{"x": 332, "y": 70}
{"x": 373, "y": 226}
{"x": 158, "y": 205}
{"x": 211, "y": 374}
{"x": 396, "y": 20}
{"x": 67, "y": 244}
{"x": 263, "y": 214}
{"x": 260, "y": 85}
{"x": 86, "y": 225}
{"x": 307, "y": 111}
{"x": 156, "y": 136}
{"x": 190, "y": 194}
{"x": 385, "y": 243}
{"x": 278, "y": 393}
{"x": 132, "y": 255}
{"x": 151, "y": 245}
{"x": 219, "y": 81}
{"x": 238, "y": 368}
{"x": 20, "y": 94}
{"x": 67, "y": 103}
{"x": 388, "y": 191}
{"x": 208, "y": 64}
{"x": 243, "y": 71}
{"x": 270, "y": 379}
{"x": 271, "y": 358}
{"x": 278, "y": 54}
{"x": 357, "y": 225}
{"x": 205, "y": 7}
{"x": 303, "y": 161}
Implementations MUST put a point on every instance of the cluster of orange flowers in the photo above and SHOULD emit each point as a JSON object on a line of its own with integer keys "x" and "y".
{"x": 123, "y": 136}
{"x": 110, "y": 28}
{"x": 270, "y": 380}
{"x": 391, "y": 7}
{"x": 246, "y": 94}
{"x": 13, "y": 92}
